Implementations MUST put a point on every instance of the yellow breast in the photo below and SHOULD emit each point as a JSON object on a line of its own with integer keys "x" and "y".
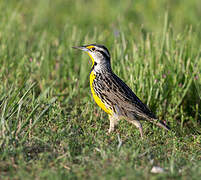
{"x": 96, "y": 98}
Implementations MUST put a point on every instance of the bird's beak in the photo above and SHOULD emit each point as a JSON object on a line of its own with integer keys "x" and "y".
{"x": 83, "y": 48}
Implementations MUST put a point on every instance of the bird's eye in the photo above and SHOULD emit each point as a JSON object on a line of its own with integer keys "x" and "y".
{"x": 93, "y": 49}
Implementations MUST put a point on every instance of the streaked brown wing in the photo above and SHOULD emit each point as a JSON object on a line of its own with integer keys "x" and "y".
{"x": 123, "y": 97}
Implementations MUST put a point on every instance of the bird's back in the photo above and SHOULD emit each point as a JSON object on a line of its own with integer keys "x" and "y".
{"x": 117, "y": 95}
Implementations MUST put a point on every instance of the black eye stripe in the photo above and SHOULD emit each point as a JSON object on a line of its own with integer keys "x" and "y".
{"x": 103, "y": 53}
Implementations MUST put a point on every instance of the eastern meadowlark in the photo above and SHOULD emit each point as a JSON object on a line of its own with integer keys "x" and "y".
{"x": 112, "y": 94}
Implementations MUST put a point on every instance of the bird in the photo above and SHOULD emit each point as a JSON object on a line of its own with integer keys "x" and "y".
{"x": 112, "y": 94}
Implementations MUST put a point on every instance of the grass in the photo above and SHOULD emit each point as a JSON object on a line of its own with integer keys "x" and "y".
{"x": 50, "y": 127}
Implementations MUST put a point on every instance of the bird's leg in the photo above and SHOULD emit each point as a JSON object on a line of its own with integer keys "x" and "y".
{"x": 113, "y": 121}
{"x": 138, "y": 125}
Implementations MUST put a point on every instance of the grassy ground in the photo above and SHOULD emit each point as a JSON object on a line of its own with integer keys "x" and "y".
{"x": 50, "y": 127}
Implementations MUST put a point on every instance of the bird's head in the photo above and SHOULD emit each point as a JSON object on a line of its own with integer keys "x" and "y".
{"x": 99, "y": 54}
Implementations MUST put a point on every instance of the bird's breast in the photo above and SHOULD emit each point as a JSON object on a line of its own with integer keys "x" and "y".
{"x": 95, "y": 93}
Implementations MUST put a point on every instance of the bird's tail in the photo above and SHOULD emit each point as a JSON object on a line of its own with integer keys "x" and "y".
{"x": 163, "y": 125}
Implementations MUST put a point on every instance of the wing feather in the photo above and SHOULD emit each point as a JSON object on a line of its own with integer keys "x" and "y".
{"x": 124, "y": 98}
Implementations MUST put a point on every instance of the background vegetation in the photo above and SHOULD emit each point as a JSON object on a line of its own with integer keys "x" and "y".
{"x": 50, "y": 128}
